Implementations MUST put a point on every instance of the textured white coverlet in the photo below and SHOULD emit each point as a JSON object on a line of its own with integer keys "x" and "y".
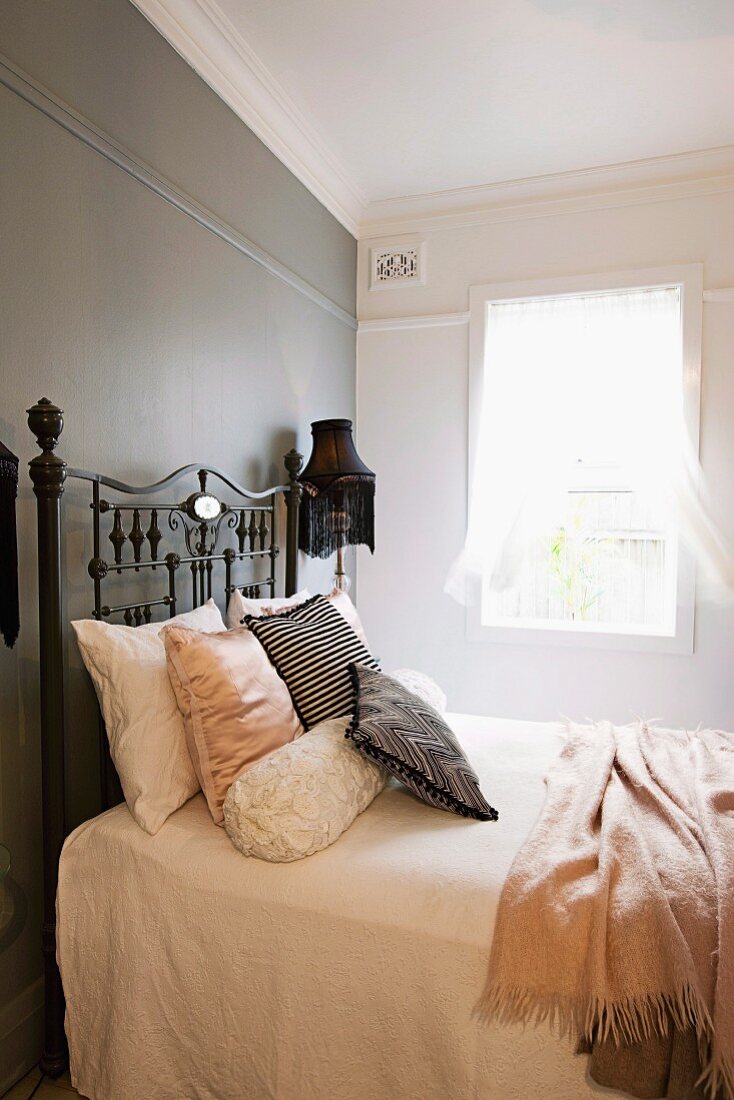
{"x": 194, "y": 973}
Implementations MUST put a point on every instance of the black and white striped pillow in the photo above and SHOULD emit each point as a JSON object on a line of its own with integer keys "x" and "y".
{"x": 408, "y": 737}
{"x": 311, "y": 647}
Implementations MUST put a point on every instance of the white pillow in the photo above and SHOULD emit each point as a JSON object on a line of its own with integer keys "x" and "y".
{"x": 144, "y": 725}
{"x": 423, "y": 686}
{"x": 302, "y": 797}
{"x": 239, "y": 606}
{"x": 347, "y": 610}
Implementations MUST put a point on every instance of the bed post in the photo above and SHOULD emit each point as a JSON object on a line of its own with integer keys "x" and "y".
{"x": 293, "y": 462}
{"x": 48, "y": 473}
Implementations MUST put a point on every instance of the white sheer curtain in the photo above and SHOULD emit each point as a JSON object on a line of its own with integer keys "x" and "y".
{"x": 593, "y": 379}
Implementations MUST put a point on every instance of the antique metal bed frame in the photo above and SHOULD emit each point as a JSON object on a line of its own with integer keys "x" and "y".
{"x": 199, "y": 523}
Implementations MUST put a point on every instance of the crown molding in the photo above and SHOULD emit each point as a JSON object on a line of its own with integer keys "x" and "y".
{"x": 201, "y": 33}
{"x": 706, "y": 172}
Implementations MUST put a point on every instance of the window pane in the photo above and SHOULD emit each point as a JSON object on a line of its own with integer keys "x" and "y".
{"x": 582, "y": 398}
{"x": 605, "y": 564}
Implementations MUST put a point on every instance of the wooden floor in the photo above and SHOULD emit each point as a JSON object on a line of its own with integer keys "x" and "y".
{"x": 41, "y": 1088}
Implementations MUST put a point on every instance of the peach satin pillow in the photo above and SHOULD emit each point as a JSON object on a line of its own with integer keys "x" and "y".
{"x": 235, "y": 707}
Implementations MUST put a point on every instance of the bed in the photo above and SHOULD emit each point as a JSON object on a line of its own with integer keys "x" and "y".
{"x": 190, "y": 971}
{"x": 193, "y": 972}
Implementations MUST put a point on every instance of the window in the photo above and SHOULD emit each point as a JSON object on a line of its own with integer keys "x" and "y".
{"x": 582, "y": 393}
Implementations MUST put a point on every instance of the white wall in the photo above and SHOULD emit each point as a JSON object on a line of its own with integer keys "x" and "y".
{"x": 412, "y": 417}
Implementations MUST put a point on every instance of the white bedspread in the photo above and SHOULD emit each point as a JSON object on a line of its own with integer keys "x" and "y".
{"x": 192, "y": 972}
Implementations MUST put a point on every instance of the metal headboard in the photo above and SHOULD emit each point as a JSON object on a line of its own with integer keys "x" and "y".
{"x": 196, "y": 524}
{"x": 152, "y": 546}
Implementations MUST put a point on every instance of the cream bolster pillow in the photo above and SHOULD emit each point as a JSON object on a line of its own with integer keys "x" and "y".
{"x": 301, "y": 798}
{"x": 235, "y": 707}
{"x": 144, "y": 725}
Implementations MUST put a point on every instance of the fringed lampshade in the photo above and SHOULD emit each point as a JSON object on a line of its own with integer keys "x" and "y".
{"x": 338, "y": 502}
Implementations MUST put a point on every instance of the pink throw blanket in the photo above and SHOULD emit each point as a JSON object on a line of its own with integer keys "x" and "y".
{"x": 616, "y": 921}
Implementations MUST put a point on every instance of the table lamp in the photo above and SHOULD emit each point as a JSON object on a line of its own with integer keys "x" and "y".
{"x": 338, "y": 502}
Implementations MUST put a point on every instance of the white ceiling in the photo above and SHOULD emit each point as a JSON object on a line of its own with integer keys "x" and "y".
{"x": 426, "y": 95}
{"x": 408, "y": 97}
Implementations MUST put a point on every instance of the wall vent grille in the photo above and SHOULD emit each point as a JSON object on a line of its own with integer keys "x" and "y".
{"x": 398, "y": 265}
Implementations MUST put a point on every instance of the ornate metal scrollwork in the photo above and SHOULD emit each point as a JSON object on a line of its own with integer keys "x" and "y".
{"x": 200, "y": 538}
{"x": 153, "y": 534}
{"x": 196, "y": 523}
{"x": 117, "y": 536}
{"x": 136, "y": 536}
{"x": 97, "y": 569}
{"x": 203, "y": 507}
{"x": 241, "y": 530}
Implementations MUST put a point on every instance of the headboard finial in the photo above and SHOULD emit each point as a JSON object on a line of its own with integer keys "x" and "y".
{"x": 293, "y": 463}
{"x": 48, "y": 471}
{"x": 46, "y": 421}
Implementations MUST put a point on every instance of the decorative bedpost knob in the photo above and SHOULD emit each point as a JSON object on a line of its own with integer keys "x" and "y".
{"x": 46, "y": 421}
{"x": 47, "y": 470}
{"x": 293, "y": 463}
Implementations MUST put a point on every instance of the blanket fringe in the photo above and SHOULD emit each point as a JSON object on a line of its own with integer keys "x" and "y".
{"x": 625, "y": 1021}
{"x": 717, "y": 1078}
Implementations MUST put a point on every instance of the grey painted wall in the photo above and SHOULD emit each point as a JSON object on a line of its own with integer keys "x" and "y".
{"x": 163, "y": 344}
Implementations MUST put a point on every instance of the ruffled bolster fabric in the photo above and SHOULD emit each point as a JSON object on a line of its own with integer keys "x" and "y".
{"x": 302, "y": 797}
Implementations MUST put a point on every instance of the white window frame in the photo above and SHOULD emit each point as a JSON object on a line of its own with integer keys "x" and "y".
{"x": 689, "y": 277}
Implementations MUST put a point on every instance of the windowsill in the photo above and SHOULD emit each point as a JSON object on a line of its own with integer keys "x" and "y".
{"x": 580, "y": 627}
{"x": 584, "y": 635}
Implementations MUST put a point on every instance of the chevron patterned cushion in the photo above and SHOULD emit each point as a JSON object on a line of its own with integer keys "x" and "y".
{"x": 411, "y": 739}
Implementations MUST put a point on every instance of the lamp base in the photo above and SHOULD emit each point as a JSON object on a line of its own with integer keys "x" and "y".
{"x": 340, "y": 580}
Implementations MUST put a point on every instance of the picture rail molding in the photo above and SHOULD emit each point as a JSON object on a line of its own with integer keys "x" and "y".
{"x": 33, "y": 93}
{"x": 444, "y": 320}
